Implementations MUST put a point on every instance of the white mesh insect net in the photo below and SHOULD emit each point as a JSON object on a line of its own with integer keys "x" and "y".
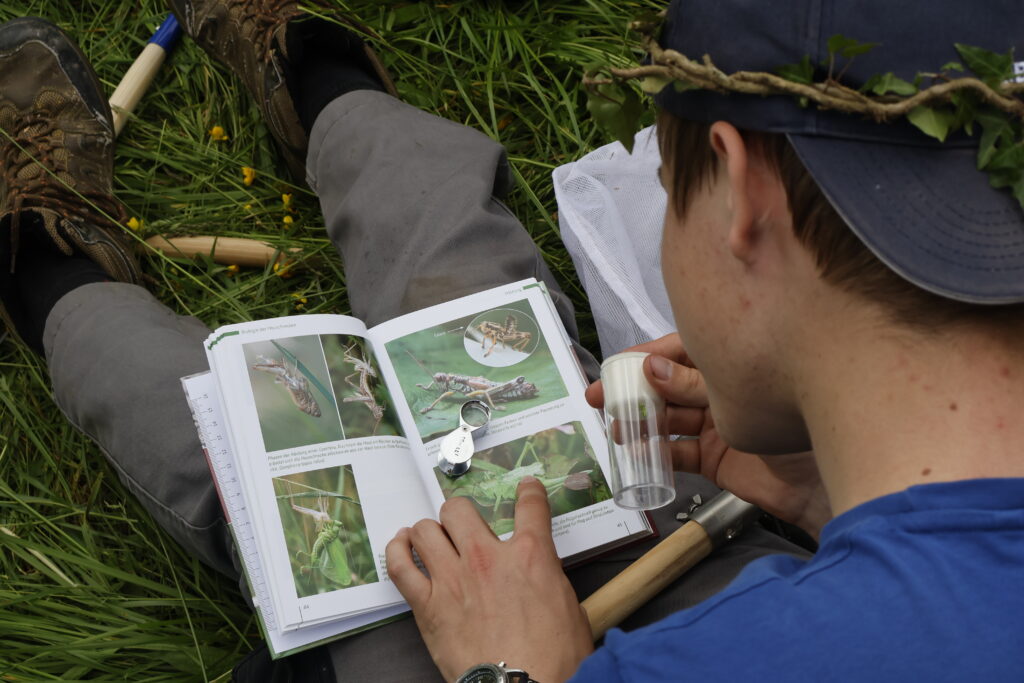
{"x": 610, "y": 210}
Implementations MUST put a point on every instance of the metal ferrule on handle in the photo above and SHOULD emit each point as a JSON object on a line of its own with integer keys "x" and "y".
{"x": 724, "y": 517}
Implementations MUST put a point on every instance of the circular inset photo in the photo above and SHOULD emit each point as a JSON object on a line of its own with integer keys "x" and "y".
{"x": 501, "y": 337}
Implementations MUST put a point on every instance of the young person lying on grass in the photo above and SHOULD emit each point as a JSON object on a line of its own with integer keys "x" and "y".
{"x": 842, "y": 285}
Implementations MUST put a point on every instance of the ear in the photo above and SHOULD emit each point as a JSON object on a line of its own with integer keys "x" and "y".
{"x": 735, "y": 161}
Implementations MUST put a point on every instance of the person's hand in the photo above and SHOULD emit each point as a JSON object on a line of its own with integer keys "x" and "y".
{"x": 787, "y": 486}
{"x": 487, "y": 600}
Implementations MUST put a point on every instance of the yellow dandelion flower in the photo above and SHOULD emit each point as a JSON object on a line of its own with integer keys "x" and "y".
{"x": 283, "y": 271}
{"x": 248, "y": 175}
{"x": 217, "y": 134}
{"x": 288, "y": 220}
{"x": 134, "y": 223}
{"x": 232, "y": 269}
{"x": 286, "y": 199}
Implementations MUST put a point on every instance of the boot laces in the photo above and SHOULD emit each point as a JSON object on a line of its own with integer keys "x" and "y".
{"x": 34, "y": 166}
{"x": 266, "y": 16}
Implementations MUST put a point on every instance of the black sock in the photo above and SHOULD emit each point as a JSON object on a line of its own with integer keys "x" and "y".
{"x": 325, "y": 61}
{"x": 43, "y": 274}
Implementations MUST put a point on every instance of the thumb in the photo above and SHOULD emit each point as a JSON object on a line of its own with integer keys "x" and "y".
{"x": 676, "y": 383}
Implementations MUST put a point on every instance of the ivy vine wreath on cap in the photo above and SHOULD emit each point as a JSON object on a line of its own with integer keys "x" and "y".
{"x": 893, "y": 131}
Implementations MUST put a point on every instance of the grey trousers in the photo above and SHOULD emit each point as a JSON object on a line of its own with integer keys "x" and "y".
{"x": 413, "y": 205}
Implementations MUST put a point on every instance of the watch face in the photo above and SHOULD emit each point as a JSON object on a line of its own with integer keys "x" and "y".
{"x": 485, "y": 673}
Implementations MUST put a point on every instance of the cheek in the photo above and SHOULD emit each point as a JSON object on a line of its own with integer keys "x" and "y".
{"x": 674, "y": 268}
{"x": 685, "y": 285}
{"x": 697, "y": 316}
{"x": 667, "y": 261}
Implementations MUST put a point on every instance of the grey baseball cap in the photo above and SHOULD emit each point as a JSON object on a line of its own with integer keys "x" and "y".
{"x": 921, "y": 206}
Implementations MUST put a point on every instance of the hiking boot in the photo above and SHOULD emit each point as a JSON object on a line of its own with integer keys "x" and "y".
{"x": 250, "y": 38}
{"x": 56, "y": 157}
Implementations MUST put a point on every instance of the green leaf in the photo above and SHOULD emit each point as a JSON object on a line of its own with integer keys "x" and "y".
{"x": 1018, "y": 191}
{"x": 995, "y": 129}
{"x": 888, "y": 83}
{"x": 965, "y": 107}
{"x": 801, "y": 72}
{"x": 872, "y": 84}
{"x": 649, "y": 17}
{"x": 683, "y": 86}
{"x": 991, "y": 67}
{"x": 952, "y": 66}
{"x": 652, "y": 85}
{"x": 408, "y": 14}
{"x": 616, "y": 110}
{"x": 934, "y": 122}
{"x": 1010, "y": 171}
{"x": 1006, "y": 169}
{"x": 848, "y": 47}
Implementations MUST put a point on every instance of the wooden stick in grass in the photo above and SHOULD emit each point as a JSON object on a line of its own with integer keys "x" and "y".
{"x": 223, "y": 250}
{"x": 237, "y": 251}
{"x": 709, "y": 527}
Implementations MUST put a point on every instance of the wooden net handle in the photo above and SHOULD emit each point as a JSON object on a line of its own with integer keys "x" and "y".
{"x": 645, "y": 578}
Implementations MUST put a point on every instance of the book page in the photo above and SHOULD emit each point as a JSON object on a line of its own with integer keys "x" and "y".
{"x": 201, "y": 393}
{"x": 322, "y": 460}
{"x": 506, "y": 347}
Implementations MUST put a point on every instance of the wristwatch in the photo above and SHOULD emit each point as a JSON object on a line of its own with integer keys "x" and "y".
{"x": 494, "y": 673}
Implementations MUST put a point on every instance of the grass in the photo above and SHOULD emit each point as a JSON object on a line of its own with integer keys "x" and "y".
{"x": 90, "y": 588}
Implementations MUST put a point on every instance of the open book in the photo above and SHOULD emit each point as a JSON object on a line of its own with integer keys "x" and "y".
{"x": 323, "y": 438}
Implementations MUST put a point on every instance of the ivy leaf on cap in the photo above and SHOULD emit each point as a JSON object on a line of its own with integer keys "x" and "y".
{"x": 992, "y": 68}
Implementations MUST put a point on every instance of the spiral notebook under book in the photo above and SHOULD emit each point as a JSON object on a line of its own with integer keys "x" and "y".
{"x": 323, "y": 436}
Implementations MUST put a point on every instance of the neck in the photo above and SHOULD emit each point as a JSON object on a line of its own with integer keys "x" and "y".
{"x": 902, "y": 409}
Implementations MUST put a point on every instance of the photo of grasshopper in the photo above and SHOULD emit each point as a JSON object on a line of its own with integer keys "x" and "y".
{"x": 291, "y": 388}
{"x": 501, "y": 337}
{"x": 438, "y": 373}
{"x": 461, "y": 388}
{"x": 294, "y": 383}
{"x": 561, "y": 458}
{"x": 324, "y": 530}
{"x": 365, "y": 406}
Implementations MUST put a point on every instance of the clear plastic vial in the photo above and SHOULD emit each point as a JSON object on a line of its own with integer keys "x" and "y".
{"x": 641, "y": 466}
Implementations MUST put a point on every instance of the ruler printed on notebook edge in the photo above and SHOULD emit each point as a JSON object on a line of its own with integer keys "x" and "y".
{"x": 200, "y": 392}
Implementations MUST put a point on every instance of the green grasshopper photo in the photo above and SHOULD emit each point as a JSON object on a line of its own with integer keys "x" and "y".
{"x": 325, "y": 531}
{"x": 559, "y": 457}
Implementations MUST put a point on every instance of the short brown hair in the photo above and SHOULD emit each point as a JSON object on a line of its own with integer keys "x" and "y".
{"x": 843, "y": 260}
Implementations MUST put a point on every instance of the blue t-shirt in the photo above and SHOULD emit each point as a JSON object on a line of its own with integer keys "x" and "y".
{"x": 922, "y": 585}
